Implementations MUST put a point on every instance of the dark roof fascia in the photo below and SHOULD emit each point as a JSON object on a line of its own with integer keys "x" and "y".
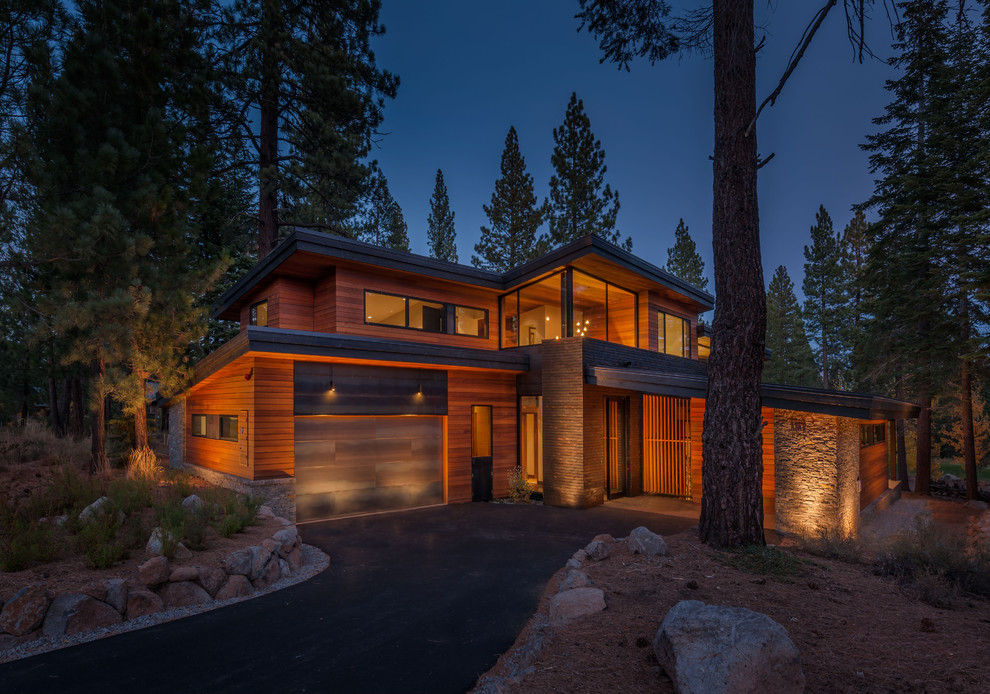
{"x": 299, "y": 342}
{"x": 836, "y": 403}
{"x": 338, "y": 247}
{"x": 592, "y": 244}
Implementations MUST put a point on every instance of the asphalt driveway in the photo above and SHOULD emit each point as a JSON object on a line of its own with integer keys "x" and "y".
{"x": 420, "y": 601}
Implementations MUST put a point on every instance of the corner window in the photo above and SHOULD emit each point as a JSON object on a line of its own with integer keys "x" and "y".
{"x": 259, "y": 314}
{"x": 673, "y": 335}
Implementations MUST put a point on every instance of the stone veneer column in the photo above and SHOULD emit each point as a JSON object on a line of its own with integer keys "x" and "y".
{"x": 563, "y": 423}
{"x": 806, "y": 469}
{"x": 176, "y": 432}
{"x": 847, "y": 456}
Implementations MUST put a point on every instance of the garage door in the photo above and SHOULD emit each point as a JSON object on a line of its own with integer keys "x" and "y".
{"x": 347, "y": 465}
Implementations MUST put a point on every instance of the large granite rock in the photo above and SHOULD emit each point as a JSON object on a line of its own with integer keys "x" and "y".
{"x": 643, "y": 541}
{"x": 90, "y": 512}
{"x": 141, "y": 601}
{"x": 709, "y": 649}
{"x": 597, "y": 550}
{"x": 192, "y": 503}
{"x": 74, "y": 613}
{"x": 250, "y": 561}
{"x": 211, "y": 578}
{"x": 156, "y": 543}
{"x": 269, "y": 574}
{"x": 183, "y": 573}
{"x": 183, "y": 594}
{"x": 287, "y": 539}
{"x": 574, "y": 579}
{"x": 26, "y": 610}
{"x": 154, "y": 572}
{"x": 237, "y": 586}
{"x": 575, "y": 603}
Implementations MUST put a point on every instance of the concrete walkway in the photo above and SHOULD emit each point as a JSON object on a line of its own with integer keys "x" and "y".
{"x": 421, "y": 601}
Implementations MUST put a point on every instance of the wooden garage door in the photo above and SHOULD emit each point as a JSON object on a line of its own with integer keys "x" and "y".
{"x": 347, "y": 465}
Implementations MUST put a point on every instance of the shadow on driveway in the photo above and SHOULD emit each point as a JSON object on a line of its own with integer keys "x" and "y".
{"x": 419, "y": 601}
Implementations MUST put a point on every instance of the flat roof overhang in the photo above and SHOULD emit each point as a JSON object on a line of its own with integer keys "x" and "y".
{"x": 815, "y": 400}
{"x": 273, "y": 341}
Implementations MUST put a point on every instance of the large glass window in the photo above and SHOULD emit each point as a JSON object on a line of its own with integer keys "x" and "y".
{"x": 590, "y": 307}
{"x": 385, "y": 309}
{"x": 673, "y": 335}
{"x": 532, "y": 314}
{"x": 426, "y": 315}
{"x": 470, "y": 321}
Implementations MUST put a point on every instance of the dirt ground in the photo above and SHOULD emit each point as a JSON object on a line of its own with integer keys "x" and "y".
{"x": 856, "y": 631}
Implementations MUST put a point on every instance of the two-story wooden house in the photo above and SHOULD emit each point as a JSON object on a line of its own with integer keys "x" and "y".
{"x": 366, "y": 379}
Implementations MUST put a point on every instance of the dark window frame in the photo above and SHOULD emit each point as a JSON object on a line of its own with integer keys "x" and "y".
{"x": 686, "y": 334}
{"x": 220, "y": 434}
{"x": 448, "y": 318}
{"x": 453, "y": 310}
{"x": 192, "y": 426}
{"x": 214, "y": 428}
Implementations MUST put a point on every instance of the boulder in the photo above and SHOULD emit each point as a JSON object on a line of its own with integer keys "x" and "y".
{"x": 645, "y": 542}
{"x": 237, "y": 586}
{"x": 604, "y": 537}
{"x": 26, "y": 610}
{"x": 283, "y": 568}
{"x": 156, "y": 543}
{"x": 91, "y": 511}
{"x": 597, "y": 550}
{"x": 117, "y": 594}
{"x": 249, "y": 561}
{"x": 141, "y": 601}
{"x": 192, "y": 503}
{"x": 580, "y": 555}
{"x": 286, "y": 538}
{"x": 154, "y": 572}
{"x": 182, "y": 552}
{"x": 269, "y": 574}
{"x": 183, "y": 573}
{"x": 211, "y": 578}
{"x": 573, "y": 563}
{"x": 265, "y": 513}
{"x": 8, "y": 641}
{"x": 295, "y": 559}
{"x": 709, "y": 649}
{"x": 95, "y": 589}
{"x": 575, "y": 579}
{"x": 283, "y": 521}
{"x": 270, "y": 545}
{"x": 572, "y": 604}
{"x": 183, "y": 594}
{"x": 74, "y": 613}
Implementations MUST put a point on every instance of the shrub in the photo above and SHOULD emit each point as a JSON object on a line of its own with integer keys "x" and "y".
{"x": 238, "y": 512}
{"x": 24, "y": 541}
{"x": 765, "y": 561}
{"x": 70, "y": 490}
{"x": 830, "y": 544}
{"x": 36, "y": 441}
{"x": 520, "y": 488}
{"x": 143, "y": 464}
{"x": 131, "y": 495}
{"x": 97, "y": 539}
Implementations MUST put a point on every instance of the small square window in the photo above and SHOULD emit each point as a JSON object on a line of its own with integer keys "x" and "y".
{"x": 228, "y": 427}
{"x": 471, "y": 321}
{"x": 199, "y": 425}
{"x": 259, "y": 314}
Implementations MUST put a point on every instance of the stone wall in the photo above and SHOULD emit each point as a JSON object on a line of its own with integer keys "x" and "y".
{"x": 279, "y": 494}
{"x": 563, "y": 425}
{"x": 816, "y": 460}
{"x": 177, "y": 432}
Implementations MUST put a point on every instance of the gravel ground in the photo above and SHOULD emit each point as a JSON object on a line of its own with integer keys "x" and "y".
{"x": 316, "y": 561}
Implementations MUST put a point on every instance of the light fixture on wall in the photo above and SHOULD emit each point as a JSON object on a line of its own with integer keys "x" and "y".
{"x": 333, "y": 388}
{"x": 419, "y": 390}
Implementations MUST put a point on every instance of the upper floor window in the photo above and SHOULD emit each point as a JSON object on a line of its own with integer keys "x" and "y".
{"x": 421, "y": 314}
{"x": 258, "y": 314}
{"x": 870, "y": 434}
{"x": 673, "y": 335}
{"x": 532, "y": 314}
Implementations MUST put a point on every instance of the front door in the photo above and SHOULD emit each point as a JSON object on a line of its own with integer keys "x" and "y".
{"x": 616, "y": 438}
{"x": 481, "y": 453}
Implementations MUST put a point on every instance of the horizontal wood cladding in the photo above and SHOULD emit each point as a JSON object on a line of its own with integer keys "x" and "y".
{"x": 290, "y": 304}
{"x": 467, "y": 388}
{"x": 325, "y": 303}
{"x": 697, "y": 424}
{"x": 273, "y": 437}
{"x": 349, "y": 316}
{"x": 872, "y": 471}
{"x": 225, "y": 392}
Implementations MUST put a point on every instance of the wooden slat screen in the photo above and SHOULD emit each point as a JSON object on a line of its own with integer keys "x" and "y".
{"x": 666, "y": 445}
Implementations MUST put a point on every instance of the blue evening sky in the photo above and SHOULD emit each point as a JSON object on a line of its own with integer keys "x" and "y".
{"x": 469, "y": 70}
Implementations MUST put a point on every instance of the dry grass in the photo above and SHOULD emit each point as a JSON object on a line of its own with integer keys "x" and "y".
{"x": 143, "y": 464}
{"x": 35, "y": 441}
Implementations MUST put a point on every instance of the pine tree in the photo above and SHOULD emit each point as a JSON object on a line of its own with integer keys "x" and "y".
{"x": 383, "y": 223}
{"x": 791, "y": 360}
{"x": 514, "y": 215}
{"x": 684, "y": 261}
{"x": 311, "y": 99}
{"x": 578, "y": 204}
{"x": 440, "y": 223}
{"x": 909, "y": 329}
{"x": 853, "y": 251}
{"x": 824, "y": 298}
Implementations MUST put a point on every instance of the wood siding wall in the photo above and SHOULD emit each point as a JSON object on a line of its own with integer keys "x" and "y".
{"x": 349, "y": 316}
{"x": 467, "y": 388}
{"x": 290, "y": 304}
{"x": 697, "y": 423}
{"x": 658, "y": 303}
{"x": 872, "y": 470}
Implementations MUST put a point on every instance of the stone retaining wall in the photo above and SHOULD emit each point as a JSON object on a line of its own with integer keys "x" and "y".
{"x": 158, "y": 585}
{"x": 279, "y": 494}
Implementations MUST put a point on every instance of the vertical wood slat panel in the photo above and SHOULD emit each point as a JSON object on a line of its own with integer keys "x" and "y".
{"x": 666, "y": 445}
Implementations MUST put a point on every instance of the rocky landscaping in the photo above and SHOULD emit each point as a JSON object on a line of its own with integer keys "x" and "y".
{"x": 645, "y": 613}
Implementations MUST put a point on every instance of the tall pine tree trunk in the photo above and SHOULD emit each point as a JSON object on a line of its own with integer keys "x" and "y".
{"x": 98, "y": 450}
{"x": 141, "y": 415}
{"x": 902, "y": 467}
{"x": 63, "y": 406}
{"x": 732, "y": 441}
{"x": 923, "y": 466}
{"x": 966, "y": 404}
{"x": 268, "y": 135}
{"x": 53, "y": 406}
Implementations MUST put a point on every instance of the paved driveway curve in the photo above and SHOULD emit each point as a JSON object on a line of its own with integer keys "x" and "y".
{"x": 420, "y": 601}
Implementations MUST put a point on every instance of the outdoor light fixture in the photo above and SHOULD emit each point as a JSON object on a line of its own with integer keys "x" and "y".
{"x": 419, "y": 389}
{"x": 332, "y": 388}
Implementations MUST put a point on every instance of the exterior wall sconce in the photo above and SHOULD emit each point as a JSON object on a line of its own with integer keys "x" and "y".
{"x": 333, "y": 389}
{"x": 419, "y": 390}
